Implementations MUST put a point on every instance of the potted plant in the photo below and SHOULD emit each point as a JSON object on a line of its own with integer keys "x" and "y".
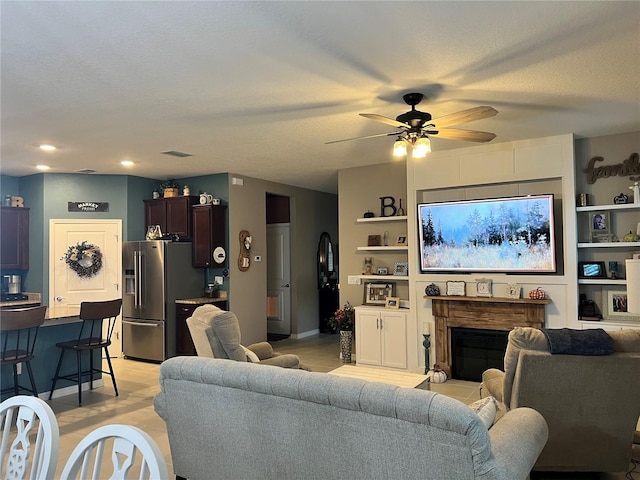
{"x": 343, "y": 320}
{"x": 170, "y": 188}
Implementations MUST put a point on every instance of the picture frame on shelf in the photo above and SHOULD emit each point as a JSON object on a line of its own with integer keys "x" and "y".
{"x": 591, "y": 270}
{"x": 401, "y": 240}
{"x": 392, "y": 302}
{"x": 483, "y": 287}
{"x": 513, "y": 291}
{"x": 599, "y": 224}
{"x": 382, "y": 271}
{"x": 615, "y": 305}
{"x": 401, "y": 269}
{"x": 377, "y": 293}
{"x": 374, "y": 241}
{"x": 456, "y": 289}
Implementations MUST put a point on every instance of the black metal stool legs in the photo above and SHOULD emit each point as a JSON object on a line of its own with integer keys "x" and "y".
{"x": 34, "y": 389}
{"x": 113, "y": 377}
{"x": 55, "y": 377}
{"x": 79, "y": 362}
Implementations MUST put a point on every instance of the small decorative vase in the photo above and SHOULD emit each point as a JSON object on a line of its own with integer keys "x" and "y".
{"x": 346, "y": 339}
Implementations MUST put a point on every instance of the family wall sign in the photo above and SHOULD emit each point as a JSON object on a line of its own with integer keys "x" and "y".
{"x": 628, "y": 168}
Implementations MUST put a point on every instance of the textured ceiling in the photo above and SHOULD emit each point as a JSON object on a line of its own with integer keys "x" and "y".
{"x": 257, "y": 88}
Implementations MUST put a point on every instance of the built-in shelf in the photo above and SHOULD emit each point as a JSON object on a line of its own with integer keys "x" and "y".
{"x": 608, "y": 244}
{"x": 462, "y": 298}
{"x": 385, "y": 247}
{"x": 596, "y": 208}
{"x": 384, "y": 277}
{"x": 382, "y": 219}
{"x": 602, "y": 281}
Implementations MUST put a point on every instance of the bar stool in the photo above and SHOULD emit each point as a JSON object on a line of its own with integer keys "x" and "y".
{"x": 90, "y": 338}
{"x": 18, "y": 333}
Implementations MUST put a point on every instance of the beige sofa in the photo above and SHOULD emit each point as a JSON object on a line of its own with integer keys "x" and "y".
{"x": 239, "y": 420}
{"x": 591, "y": 403}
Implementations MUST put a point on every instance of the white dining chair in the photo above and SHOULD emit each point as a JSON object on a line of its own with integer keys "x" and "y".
{"x": 30, "y": 439}
{"x": 122, "y": 443}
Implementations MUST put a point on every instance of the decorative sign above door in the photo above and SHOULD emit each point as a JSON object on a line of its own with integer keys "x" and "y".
{"x": 87, "y": 206}
{"x": 628, "y": 168}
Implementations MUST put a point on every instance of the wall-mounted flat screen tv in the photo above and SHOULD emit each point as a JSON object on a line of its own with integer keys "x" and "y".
{"x": 502, "y": 235}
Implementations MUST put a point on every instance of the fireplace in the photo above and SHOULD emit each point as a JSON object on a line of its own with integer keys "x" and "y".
{"x": 480, "y": 314}
{"x": 473, "y": 351}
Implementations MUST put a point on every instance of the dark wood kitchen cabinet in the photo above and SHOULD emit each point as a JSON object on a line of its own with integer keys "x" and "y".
{"x": 184, "y": 341}
{"x": 14, "y": 228}
{"x": 173, "y": 214}
{"x": 209, "y": 234}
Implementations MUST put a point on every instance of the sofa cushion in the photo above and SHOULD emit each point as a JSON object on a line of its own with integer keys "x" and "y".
{"x": 225, "y": 338}
{"x": 520, "y": 338}
{"x": 485, "y": 409}
{"x": 200, "y": 328}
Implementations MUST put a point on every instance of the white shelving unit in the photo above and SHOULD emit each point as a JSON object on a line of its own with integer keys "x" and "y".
{"x": 602, "y": 251}
{"x": 384, "y": 248}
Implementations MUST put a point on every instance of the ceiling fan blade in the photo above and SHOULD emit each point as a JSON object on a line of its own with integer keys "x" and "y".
{"x": 467, "y": 135}
{"x": 464, "y": 116}
{"x": 388, "y": 121}
{"x": 368, "y": 136}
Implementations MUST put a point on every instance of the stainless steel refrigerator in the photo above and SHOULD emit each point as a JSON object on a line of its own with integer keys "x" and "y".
{"x": 156, "y": 273}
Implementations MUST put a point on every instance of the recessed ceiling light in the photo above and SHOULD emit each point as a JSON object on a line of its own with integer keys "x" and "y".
{"x": 47, "y": 148}
{"x": 42, "y": 167}
{"x": 126, "y": 163}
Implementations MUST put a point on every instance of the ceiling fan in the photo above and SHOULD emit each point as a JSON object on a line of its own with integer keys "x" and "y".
{"x": 415, "y": 127}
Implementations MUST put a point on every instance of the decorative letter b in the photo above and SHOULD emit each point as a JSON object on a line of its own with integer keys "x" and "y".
{"x": 387, "y": 203}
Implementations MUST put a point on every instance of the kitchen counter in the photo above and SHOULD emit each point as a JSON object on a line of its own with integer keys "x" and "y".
{"x": 61, "y": 315}
{"x": 32, "y": 299}
{"x": 203, "y": 300}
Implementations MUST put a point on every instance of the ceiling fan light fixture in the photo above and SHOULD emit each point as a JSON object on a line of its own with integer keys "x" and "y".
{"x": 421, "y": 147}
{"x": 400, "y": 148}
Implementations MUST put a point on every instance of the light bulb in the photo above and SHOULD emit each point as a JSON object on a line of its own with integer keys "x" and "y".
{"x": 421, "y": 147}
{"x": 399, "y": 148}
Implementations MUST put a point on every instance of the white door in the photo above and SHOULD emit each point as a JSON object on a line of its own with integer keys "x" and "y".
{"x": 70, "y": 287}
{"x": 278, "y": 280}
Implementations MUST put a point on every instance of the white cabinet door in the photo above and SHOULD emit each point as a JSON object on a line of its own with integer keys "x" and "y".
{"x": 394, "y": 339}
{"x": 368, "y": 337}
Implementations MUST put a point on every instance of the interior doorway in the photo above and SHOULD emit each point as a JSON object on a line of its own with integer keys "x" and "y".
{"x": 278, "y": 266}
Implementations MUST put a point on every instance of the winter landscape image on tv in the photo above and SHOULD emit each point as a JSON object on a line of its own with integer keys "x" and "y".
{"x": 509, "y": 235}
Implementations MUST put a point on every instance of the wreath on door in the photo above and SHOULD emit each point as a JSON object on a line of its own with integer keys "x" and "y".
{"x": 84, "y": 258}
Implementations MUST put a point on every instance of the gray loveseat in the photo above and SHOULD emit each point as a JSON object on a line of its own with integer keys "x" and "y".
{"x": 238, "y": 420}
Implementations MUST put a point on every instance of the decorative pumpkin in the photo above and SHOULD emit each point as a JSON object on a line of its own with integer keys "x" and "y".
{"x": 630, "y": 237}
{"x": 432, "y": 290}
{"x": 537, "y": 294}
{"x": 436, "y": 375}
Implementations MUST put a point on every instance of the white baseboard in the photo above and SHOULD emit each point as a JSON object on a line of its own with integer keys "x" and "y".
{"x": 71, "y": 389}
{"x": 310, "y": 333}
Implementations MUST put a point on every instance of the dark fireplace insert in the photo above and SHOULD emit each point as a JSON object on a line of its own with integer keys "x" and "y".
{"x": 473, "y": 351}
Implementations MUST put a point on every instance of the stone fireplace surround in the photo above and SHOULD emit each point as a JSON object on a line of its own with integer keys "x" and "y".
{"x": 485, "y": 313}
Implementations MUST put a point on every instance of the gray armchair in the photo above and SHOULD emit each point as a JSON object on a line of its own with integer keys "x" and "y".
{"x": 591, "y": 403}
{"x": 216, "y": 334}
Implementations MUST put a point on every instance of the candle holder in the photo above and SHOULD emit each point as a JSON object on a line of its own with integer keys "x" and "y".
{"x": 426, "y": 343}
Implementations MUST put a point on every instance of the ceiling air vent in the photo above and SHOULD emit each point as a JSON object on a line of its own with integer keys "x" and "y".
{"x": 86, "y": 171}
{"x": 175, "y": 153}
